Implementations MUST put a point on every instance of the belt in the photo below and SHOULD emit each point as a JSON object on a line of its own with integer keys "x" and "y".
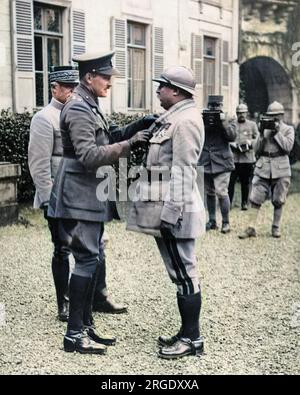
{"x": 272, "y": 154}
{"x": 69, "y": 153}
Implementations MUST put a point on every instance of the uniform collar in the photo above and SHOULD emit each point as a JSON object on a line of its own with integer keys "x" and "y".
{"x": 178, "y": 107}
{"x": 56, "y": 104}
{"x": 83, "y": 91}
{"x": 92, "y": 100}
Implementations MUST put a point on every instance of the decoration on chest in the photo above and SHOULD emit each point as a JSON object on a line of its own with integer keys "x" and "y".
{"x": 162, "y": 130}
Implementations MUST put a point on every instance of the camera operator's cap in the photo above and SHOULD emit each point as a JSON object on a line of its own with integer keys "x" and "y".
{"x": 242, "y": 108}
{"x": 275, "y": 108}
{"x": 99, "y": 63}
{"x": 179, "y": 77}
{"x": 215, "y": 99}
{"x": 64, "y": 75}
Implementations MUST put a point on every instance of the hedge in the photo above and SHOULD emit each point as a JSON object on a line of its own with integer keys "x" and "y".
{"x": 14, "y": 138}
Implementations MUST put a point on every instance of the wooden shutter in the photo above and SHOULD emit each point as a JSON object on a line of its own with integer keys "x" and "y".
{"x": 119, "y": 45}
{"x": 78, "y": 29}
{"x": 23, "y": 54}
{"x": 158, "y": 51}
{"x": 197, "y": 57}
{"x": 225, "y": 63}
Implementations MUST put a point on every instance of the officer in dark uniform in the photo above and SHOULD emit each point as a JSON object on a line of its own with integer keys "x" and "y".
{"x": 217, "y": 160}
{"x": 87, "y": 145}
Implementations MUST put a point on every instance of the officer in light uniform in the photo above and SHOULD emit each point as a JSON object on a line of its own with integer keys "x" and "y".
{"x": 272, "y": 173}
{"x": 87, "y": 145}
{"x": 176, "y": 216}
{"x": 243, "y": 153}
{"x": 44, "y": 155}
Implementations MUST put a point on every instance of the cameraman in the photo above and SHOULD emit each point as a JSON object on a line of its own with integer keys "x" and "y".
{"x": 272, "y": 174}
{"x": 217, "y": 159}
{"x": 243, "y": 153}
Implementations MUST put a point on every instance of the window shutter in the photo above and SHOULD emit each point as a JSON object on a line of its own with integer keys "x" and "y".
{"x": 225, "y": 63}
{"x": 197, "y": 57}
{"x": 24, "y": 35}
{"x": 23, "y": 54}
{"x": 158, "y": 51}
{"x": 119, "y": 45}
{"x": 78, "y": 32}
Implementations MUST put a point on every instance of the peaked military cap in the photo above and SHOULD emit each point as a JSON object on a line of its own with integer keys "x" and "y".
{"x": 215, "y": 99}
{"x": 96, "y": 63}
{"x": 64, "y": 75}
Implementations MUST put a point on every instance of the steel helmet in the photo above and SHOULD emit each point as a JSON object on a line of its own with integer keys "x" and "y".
{"x": 275, "y": 108}
{"x": 180, "y": 77}
{"x": 241, "y": 108}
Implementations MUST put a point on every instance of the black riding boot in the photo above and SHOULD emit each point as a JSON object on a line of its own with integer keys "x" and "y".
{"x": 60, "y": 271}
{"x": 76, "y": 339}
{"x": 190, "y": 342}
{"x": 102, "y": 302}
{"x": 88, "y": 320}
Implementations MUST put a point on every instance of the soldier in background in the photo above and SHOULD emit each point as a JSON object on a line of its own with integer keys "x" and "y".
{"x": 272, "y": 174}
{"x": 217, "y": 160}
{"x": 243, "y": 153}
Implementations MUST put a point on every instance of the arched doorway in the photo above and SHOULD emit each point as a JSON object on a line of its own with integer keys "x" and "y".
{"x": 264, "y": 80}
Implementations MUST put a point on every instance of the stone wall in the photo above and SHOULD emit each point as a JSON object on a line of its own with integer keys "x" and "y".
{"x": 9, "y": 174}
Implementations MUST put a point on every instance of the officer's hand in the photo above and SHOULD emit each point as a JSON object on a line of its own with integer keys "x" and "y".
{"x": 149, "y": 119}
{"x": 277, "y": 128}
{"x": 140, "y": 138}
{"x": 167, "y": 228}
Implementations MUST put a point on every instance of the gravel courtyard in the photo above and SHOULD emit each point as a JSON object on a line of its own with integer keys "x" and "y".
{"x": 251, "y": 302}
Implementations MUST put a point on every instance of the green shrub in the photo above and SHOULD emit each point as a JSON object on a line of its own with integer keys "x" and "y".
{"x": 14, "y": 137}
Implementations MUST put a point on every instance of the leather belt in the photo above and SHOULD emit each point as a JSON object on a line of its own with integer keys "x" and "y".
{"x": 272, "y": 154}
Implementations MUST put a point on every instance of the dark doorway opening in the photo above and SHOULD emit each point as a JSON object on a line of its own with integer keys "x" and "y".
{"x": 263, "y": 80}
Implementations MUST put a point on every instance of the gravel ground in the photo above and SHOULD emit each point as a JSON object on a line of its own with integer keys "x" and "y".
{"x": 251, "y": 303}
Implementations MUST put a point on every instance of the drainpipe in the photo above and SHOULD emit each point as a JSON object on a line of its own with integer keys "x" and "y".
{"x": 13, "y": 53}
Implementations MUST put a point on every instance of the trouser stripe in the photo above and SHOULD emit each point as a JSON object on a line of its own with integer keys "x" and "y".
{"x": 181, "y": 266}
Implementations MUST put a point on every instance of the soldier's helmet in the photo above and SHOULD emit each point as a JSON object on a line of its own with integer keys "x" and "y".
{"x": 275, "y": 108}
{"x": 242, "y": 108}
{"x": 179, "y": 77}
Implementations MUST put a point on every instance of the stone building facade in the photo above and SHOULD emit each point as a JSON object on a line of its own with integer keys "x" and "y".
{"x": 270, "y": 38}
{"x": 147, "y": 35}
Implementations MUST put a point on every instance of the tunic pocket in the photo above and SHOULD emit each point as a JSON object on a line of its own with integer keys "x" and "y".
{"x": 148, "y": 214}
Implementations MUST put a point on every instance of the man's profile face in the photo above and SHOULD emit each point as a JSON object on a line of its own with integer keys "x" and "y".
{"x": 100, "y": 84}
{"x": 165, "y": 94}
{"x": 61, "y": 92}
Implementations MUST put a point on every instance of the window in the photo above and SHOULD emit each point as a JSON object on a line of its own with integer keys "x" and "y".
{"x": 48, "y": 48}
{"x": 209, "y": 78}
{"x": 136, "y": 48}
